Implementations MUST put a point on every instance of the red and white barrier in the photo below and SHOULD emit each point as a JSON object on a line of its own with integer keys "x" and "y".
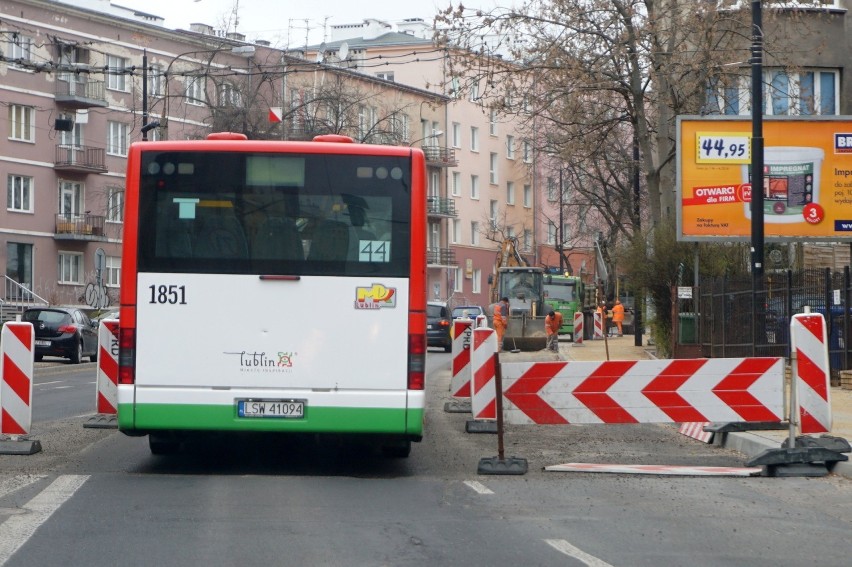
{"x": 17, "y": 342}
{"x": 695, "y": 430}
{"x": 808, "y": 340}
{"x": 462, "y": 339}
{"x": 644, "y": 391}
{"x": 107, "y": 395}
{"x": 599, "y": 333}
{"x": 483, "y": 401}
{"x": 578, "y": 328}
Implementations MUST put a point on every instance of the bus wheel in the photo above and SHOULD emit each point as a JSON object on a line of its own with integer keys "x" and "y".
{"x": 397, "y": 450}
{"x": 163, "y": 444}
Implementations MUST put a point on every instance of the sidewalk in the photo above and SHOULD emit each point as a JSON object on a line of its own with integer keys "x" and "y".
{"x": 751, "y": 444}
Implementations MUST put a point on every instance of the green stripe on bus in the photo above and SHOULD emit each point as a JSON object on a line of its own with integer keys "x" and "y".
{"x": 316, "y": 420}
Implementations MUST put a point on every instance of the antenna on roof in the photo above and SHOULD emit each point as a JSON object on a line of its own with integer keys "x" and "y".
{"x": 343, "y": 52}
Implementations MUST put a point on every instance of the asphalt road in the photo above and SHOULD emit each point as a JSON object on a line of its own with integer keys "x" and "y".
{"x": 96, "y": 497}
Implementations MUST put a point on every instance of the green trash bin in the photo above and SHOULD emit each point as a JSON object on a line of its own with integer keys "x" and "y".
{"x": 686, "y": 329}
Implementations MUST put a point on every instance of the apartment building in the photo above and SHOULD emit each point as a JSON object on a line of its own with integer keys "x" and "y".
{"x": 486, "y": 190}
{"x": 79, "y": 82}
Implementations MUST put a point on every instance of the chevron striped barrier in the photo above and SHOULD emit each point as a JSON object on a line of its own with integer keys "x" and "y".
{"x": 107, "y": 379}
{"x": 462, "y": 339}
{"x": 483, "y": 399}
{"x": 578, "y": 328}
{"x": 598, "y": 334}
{"x": 811, "y": 372}
{"x": 17, "y": 341}
{"x": 644, "y": 391}
{"x": 695, "y": 430}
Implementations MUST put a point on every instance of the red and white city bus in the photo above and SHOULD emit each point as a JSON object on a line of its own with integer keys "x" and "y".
{"x": 273, "y": 286}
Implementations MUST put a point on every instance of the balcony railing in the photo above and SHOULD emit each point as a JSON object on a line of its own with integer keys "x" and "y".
{"x": 438, "y": 156}
{"x": 438, "y": 207}
{"x": 440, "y": 256}
{"x": 75, "y": 92}
{"x": 82, "y": 159}
{"x": 79, "y": 227}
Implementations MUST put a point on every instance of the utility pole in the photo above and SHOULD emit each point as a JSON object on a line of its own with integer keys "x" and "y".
{"x": 757, "y": 228}
{"x": 561, "y": 241}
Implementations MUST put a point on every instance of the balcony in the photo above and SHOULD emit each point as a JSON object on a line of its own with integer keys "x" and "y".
{"x": 72, "y": 91}
{"x": 437, "y": 156}
{"x": 80, "y": 159}
{"x": 443, "y": 208}
{"x": 437, "y": 257}
{"x": 79, "y": 227}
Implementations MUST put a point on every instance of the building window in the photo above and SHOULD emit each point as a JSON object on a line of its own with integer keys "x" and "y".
{"x": 229, "y": 96}
{"x": 551, "y": 232}
{"x": 474, "y": 187}
{"x": 474, "y": 139}
{"x": 195, "y": 90}
{"x": 456, "y": 135}
{"x": 492, "y": 169}
{"x": 19, "y": 193}
{"x": 456, "y": 231}
{"x": 115, "y": 204}
{"x": 70, "y": 268}
{"x": 474, "y": 92}
{"x": 112, "y": 271}
{"x": 474, "y": 233}
{"x": 156, "y": 81}
{"x": 492, "y": 122}
{"x": 527, "y": 196}
{"x": 70, "y": 198}
{"x": 527, "y": 152}
{"x": 457, "y": 184}
{"x": 510, "y": 192}
{"x": 387, "y": 75}
{"x": 551, "y": 190}
{"x": 807, "y": 92}
{"x": 493, "y": 211}
{"x": 18, "y": 50}
{"x": 476, "y": 283}
{"x": 117, "y": 73}
{"x": 21, "y": 123}
{"x": 527, "y": 240}
{"x": 118, "y": 139}
{"x": 458, "y": 281}
{"x": 510, "y": 147}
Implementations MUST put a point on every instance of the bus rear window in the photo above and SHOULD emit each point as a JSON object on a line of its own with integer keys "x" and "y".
{"x": 282, "y": 214}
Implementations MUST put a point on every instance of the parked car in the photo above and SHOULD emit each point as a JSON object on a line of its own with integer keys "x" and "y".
{"x": 63, "y": 331}
{"x": 470, "y": 311}
{"x": 438, "y": 325}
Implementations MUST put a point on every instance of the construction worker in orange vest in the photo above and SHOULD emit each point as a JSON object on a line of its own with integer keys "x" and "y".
{"x": 501, "y": 320}
{"x": 552, "y": 324}
{"x": 618, "y": 317}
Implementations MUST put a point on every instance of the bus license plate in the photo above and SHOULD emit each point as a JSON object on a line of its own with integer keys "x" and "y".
{"x": 293, "y": 409}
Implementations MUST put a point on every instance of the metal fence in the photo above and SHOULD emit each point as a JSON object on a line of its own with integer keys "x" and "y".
{"x": 734, "y": 319}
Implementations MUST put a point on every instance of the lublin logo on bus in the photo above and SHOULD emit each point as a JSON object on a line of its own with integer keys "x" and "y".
{"x": 375, "y": 297}
{"x": 261, "y": 362}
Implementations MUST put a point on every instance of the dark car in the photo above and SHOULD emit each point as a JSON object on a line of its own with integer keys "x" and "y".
{"x": 438, "y": 325}
{"x": 63, "y": 331}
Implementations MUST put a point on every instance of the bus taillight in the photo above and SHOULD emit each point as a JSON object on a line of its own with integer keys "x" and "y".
{"x": 126, "y": 356}
{"x": 416, "y": 362}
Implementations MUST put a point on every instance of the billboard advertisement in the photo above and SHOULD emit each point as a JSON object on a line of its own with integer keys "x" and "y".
{"x": 807, "y": 178}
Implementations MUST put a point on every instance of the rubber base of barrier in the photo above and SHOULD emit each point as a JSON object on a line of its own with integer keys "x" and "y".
{"x": 474, "y": 426}
{"x": 102, "y": 421}
{"x": 496, "y": 465}
{"x": 797, "y": 470}
{"x": 456, "y": 406}
{"x": 20, "y": 447}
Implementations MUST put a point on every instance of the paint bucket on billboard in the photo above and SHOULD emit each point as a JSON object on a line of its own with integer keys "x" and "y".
{"x": 790, "y": 181}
